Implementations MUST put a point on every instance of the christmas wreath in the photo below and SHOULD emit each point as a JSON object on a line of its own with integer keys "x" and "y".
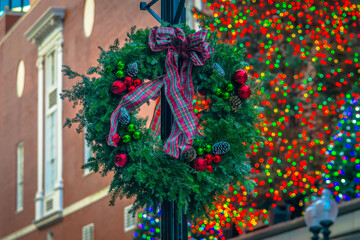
{"x": 214, "y": 116}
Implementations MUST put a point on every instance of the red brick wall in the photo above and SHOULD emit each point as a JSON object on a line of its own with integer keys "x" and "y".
{"x": 18, "y": 119}
{"x": 113, "y": 19}
{"x": 108, "y": 223}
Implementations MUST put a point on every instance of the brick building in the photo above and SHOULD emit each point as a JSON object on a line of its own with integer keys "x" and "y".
{"x": 44, "y": 192}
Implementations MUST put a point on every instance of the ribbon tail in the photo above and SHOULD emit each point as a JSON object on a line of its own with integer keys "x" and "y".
{"x": 132, "y": 101}
{"x": 171, "y": 145}
{"x": 156, "y": 120}
{"x": 184, "y": 126}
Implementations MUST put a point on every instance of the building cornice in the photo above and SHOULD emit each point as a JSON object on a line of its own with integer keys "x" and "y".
{"x": 50, "y": 20}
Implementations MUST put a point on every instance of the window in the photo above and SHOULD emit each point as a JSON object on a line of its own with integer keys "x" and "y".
{"x": 20, "y": 177}
{"x": 87, "y": 154}
{"x": 20, "y": 79}
{"x": 130, "y": 219}
{"x": 50, "y": 235}
{"x": 47, "y": 34}
{"x": 190, "y": 20}
{"x": 50, "y": 124}
{"x": 88, "y": 232}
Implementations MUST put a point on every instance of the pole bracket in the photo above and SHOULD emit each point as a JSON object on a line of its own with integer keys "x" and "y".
{"x": 147, "y": 7}
{"x": 179, "y": 11}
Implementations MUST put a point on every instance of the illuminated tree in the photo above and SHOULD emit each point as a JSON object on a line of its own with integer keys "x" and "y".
{"x": 342, "y": 173}
{"x": 148, "y": 227}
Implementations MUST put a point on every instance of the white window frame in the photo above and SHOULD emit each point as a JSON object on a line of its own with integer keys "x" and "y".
{"x": 49, "y": 87}
{"x": 52, "y": 44}
{"x": 190, "y": 4}
{"x": 128, "y": 215}
{"x": 90, "y": 227}
{"x": 87, "y": 154}
{"x": 50, "y": 235}
{"x": 47, "y": 34}
{"x": 20, "y": 177}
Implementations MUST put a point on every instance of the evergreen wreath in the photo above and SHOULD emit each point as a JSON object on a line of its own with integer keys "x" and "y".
{"x": 225, "y": 130}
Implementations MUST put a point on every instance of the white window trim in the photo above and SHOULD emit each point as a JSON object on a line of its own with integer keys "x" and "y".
{"x": 87, "y": 154}
{"x": 190, "y": 20}
{"x": 19, "y": 155}
{"x": 47, "y": 34}
{"x": 126, "y": 213}
{"x": 50, "y": 235}
{"x": 92, "y": 229}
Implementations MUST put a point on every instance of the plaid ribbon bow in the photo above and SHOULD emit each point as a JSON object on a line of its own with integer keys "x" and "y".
{"x": 177, "y": 83}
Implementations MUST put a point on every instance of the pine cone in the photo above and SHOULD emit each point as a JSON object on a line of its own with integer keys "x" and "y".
{"x": 133, "y": 69}
{"x": 189, "y": 155}
{"x": 221, "y": 148}
{"x": 124, "y": 117}
{"x": 219, "y": 69}
{"x": 235, "y": 103}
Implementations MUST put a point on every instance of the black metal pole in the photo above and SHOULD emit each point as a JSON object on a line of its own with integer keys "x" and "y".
{"x": 325, "y": 230}
{"x": 173, "y": 227}
{"x": 315, "y": 230}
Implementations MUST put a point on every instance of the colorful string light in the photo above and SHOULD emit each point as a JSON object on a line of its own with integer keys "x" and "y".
{"x": 306, "y": 53}
{"x": 342, "y": 173}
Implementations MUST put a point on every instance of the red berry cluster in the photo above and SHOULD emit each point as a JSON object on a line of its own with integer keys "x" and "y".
{"x": 202, "y": 164}
{"x": 240, "y": 77}
{"x": 124, "y": 84}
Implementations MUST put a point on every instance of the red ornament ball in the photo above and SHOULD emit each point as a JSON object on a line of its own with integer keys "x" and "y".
{"x": 137, "y": 82}
{"x": 200, "y": 164}
{"x": 208, "y": 158}
{"x": 131, "y": 88}
{"x": 244, "y": 92}
{"x": 116, "y": 138}
{"x": 240, "y": 76}
{"x": 129, "y": 81}
{"x": 118, "y": 87}
{"x": 210, "y": 168}
{"x": 121, "y": 159}
{"x": 217, "y": 159}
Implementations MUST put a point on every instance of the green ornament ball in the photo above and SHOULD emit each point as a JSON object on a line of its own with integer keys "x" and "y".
{"x": 136, "y": 135}
{"x": 226, "y": 96}
{"x": 131, "y": 128}
{"x": 200, "y": 151}
{"x": 108, "y": 68}
{"x": 218, "y": 92}
{"x": 230, "y": 87}
{"x": 120, "y": 65}
{"x": 208, "y": 148}
{"x": 120, "y": 74}
{"x": 126, "y": 138}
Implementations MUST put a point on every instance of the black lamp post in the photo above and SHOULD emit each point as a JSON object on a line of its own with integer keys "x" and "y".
{"x": 320, "y": 215}
{"x": 315, "y": 231}
{"x": 327, "y": 211}
{"x": 311, "y": 220}
{"x": 173, "y": 226}
{"x": 325, "y": 231}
